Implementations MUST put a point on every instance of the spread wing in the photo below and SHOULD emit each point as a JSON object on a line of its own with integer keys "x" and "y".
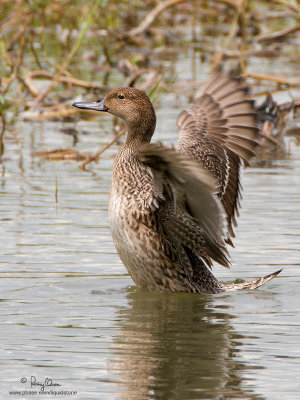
{"x": 219, "y": 131}
{"x": 183, "y": 197}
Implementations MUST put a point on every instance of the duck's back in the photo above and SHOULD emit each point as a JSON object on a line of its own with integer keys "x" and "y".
{"x": 219, "y": 131}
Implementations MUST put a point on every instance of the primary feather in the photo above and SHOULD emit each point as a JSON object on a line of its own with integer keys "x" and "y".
{"x": 219, "y": 132}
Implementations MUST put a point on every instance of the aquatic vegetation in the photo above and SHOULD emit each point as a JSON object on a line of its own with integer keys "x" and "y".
{"x": 51, "y": 51}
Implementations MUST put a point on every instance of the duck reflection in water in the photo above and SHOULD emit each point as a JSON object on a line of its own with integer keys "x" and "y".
{"x": 179, "y": 347}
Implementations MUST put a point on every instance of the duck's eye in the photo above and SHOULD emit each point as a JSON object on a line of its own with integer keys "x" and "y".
{"x": 121, "y": 96}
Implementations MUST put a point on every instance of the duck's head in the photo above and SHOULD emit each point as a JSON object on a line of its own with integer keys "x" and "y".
{"x": 130, "y": 104}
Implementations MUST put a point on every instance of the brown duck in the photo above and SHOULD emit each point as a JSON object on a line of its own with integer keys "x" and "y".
{"x": 172, "y": 213}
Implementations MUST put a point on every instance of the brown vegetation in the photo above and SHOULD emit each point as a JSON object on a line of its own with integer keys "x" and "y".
{"x": 51, "y": 50}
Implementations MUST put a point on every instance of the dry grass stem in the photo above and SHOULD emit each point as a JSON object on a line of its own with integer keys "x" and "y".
{"x": 18, "y": 63}
{"x": 272, "y": 78}
{"x": 287, "y": 5}
{"x": 96, "y": 156}
{"x": 28, "y": 80}
{"x": 278, "y": 35}
{"x": 151, "y": 17}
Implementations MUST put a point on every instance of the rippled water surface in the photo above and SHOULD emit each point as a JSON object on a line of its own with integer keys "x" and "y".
{"x": 70, "y": 312}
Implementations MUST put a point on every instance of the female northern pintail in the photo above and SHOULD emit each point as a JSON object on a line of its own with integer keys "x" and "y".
{"x": 171, "y": 211}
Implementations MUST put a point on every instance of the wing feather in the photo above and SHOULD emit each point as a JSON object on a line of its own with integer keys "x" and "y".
{"x": 190, "y": 211}
{"x": 219, "y": 131}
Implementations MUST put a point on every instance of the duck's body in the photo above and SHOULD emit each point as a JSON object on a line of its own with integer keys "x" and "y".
{"x": 138, "y": 238}
{"x": 171, "y": 212}
{"x": 139, "y": 223}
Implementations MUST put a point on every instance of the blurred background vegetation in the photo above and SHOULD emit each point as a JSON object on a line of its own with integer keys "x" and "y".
{"x": 51, "y": 51}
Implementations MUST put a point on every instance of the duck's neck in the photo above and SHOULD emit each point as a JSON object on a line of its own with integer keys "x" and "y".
{"x": 141, "y": 131}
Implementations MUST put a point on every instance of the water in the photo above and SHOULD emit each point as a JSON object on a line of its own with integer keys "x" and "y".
{"x": 70, "y": 312}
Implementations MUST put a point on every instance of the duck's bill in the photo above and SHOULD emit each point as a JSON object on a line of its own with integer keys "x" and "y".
{"x": 91, "y": 105}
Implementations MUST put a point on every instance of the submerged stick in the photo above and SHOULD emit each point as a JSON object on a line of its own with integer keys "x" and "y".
{"x": 3, "y": 120}
{"x": 56, "y": 190}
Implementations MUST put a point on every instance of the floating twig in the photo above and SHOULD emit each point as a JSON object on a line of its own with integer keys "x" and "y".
{"x": 61, "y": 154}
{"x": 267, "y": 53}
{"x": 272, "y": 78}
{"x": 62, "y": 112}
{"x": 278, "y": 35}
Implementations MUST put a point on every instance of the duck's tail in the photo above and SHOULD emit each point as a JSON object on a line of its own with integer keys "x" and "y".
{"x": 251, "y": 284}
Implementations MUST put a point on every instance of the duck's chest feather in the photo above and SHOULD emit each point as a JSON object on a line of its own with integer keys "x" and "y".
{"x": 132, "y": 189}
{"x": 138, "y": 236}
{"x": 130, "y": 199}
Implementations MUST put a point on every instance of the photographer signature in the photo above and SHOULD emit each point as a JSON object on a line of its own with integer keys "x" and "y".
{"x": 48, "y": 382}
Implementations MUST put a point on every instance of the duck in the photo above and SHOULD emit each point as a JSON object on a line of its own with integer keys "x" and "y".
{"x": 273, "y": 123}
{"x": 173, "y": 212}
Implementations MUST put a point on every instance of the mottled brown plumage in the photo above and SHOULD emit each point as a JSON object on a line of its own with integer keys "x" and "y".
{"x": 219, "y": 132}
{"x": 168, "y": 209}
